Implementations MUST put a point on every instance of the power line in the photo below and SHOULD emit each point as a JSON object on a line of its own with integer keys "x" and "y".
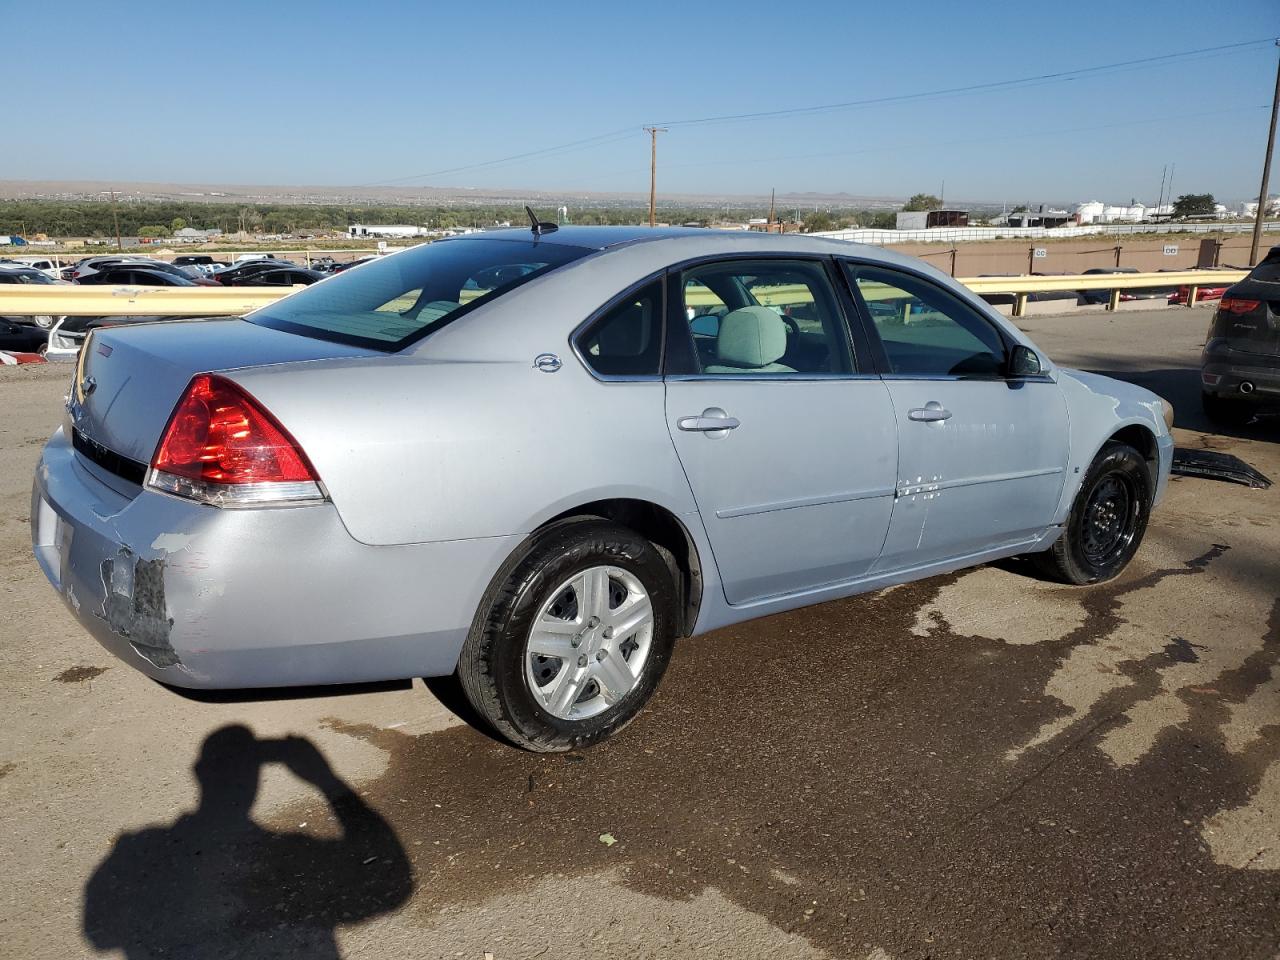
{"x": 598, "y": 140}
{"x": 969, "y": 89}
{"x": 1021, "y": 135}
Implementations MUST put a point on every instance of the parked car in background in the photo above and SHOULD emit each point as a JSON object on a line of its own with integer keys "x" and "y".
{"x": 144, "y": 275}
{"x": 1240, "y": 364}
{"x": 68, "y": 335}
{"x": 20, "y": 273}
{"x": 277, "y": 277}
{"x": 90, "y": 265}
{"x": 341, "y": 267}
{"x": 87, "y": 270}
{"x": 22, "y": 337}
{"x": 49, "y": 266}
{"x": 1035, "y": 296}
{"x": 747, "y": 435}
{"x": 1141, "y": 293}
{"x": 234, "y": 275}
{"x": 1183, "y": 293}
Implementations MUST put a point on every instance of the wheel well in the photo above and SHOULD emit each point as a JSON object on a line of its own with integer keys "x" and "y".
{"x": 664, "y": 530}
{"x": 1144, "y": 441}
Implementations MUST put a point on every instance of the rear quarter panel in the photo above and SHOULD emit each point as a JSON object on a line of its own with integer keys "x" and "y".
{"x": 414, "y": 450}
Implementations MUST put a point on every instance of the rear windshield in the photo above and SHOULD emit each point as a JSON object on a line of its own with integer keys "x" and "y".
{"x": 393, "y": 301}
{"x": 1268, "y": 271}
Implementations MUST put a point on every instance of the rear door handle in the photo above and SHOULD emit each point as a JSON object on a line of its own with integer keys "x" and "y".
{"x": 931, "y": 412}
{"x": 712, "y": 420}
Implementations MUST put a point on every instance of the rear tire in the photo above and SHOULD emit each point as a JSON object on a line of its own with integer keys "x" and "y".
{"x": 1107, "y": 521}
{"x": 1224, "y": 410}
{"x": 542, "y": 664}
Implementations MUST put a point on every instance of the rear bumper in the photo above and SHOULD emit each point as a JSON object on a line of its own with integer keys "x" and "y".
{"x": 199, "y": 597}
{"x": 1223, "y": 373}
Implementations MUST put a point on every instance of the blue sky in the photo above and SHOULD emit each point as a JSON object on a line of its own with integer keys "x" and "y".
{"x": 356, "y": 93}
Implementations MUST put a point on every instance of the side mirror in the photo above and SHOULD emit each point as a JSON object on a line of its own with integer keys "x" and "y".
{"x": 1024, "y": 362}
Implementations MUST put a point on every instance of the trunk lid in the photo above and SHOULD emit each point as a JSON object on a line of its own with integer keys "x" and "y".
{"x": 129, "y": 378}
{"x": 1255, "y": 331}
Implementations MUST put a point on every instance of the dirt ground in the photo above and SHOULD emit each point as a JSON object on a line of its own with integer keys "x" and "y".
{"x": 979, "y": 765}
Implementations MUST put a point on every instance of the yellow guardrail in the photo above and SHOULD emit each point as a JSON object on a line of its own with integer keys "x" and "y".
{"x": 24, "y": 300}
{"x": 1117, "y": 283}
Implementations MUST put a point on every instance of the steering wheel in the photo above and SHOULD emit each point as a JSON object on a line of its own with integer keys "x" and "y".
{"x": 793, "y": 328}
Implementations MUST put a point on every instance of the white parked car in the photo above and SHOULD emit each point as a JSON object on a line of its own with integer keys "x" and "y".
{"x": 51, "y": 266}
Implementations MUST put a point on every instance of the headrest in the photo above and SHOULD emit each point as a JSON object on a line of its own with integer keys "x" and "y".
{"x": 751, "y": 337}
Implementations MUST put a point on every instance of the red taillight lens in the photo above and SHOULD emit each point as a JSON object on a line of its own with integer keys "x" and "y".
{"x": 221, "y": 446}
{"x": 1236, "y": 305}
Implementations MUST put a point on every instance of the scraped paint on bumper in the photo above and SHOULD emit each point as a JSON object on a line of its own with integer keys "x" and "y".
{"x": 202, "y": 597}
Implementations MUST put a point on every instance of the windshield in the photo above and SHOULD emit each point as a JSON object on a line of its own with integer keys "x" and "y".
{"x": 396, "y": 300}
{"x": 26, "y": 276}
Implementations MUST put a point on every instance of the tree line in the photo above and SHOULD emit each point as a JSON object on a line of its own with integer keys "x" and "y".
{"x": 95, "y": 218}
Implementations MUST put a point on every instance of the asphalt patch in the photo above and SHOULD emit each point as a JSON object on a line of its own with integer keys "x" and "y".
{"x": 79, "y": 674}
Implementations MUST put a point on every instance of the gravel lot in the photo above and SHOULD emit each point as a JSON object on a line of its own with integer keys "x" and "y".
{"x": 979, "y": 765}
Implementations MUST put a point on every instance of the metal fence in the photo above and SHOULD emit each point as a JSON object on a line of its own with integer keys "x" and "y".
{"x": 959, "y": 234}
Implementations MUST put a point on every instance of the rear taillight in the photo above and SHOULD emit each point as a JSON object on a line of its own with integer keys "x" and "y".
{"x": 1236, "y": 305}
{"x": 222, "y": 447}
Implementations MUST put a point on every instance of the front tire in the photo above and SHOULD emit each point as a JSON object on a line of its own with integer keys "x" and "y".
{"x": 1107, "y": 522}
{"x": 572, "y": 637}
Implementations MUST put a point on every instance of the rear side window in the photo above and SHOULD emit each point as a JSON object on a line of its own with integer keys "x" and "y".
{"x": 764, "y": 318}
{"x": 626, "y": 341}
{"x": 1268, "y": 271}
{"x": 390, "y": 303}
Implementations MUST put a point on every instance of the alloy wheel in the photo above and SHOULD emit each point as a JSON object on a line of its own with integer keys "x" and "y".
{"x": 588, "y": 644}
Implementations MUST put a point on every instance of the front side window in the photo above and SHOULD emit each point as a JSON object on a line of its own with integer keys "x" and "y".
{"x": 926, "y": 331}
{"x": 773, "y": 317}
{"x": 626, "y": 341}
{"x": 389, "y": 303}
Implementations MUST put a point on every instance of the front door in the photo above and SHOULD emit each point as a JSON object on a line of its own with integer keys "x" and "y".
{"x": 790, "y": 450}
{"x": 982, "y": 456}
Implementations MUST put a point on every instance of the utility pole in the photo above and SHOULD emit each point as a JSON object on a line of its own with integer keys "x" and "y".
{"x": 773, "y": 195}
{"x": 115, "y": 216}
{"x": 653, "y": 172}
{"x": 1266, "y": 171}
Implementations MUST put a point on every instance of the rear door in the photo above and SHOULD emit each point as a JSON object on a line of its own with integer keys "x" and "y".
{"x": 982, "y": 456}
{"x": 786, "y": 437}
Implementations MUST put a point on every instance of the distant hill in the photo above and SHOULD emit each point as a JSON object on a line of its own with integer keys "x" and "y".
{"x": 411, "y": 196}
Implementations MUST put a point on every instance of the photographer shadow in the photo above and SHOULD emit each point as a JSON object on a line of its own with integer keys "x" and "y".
{"x": 215, "y": 883}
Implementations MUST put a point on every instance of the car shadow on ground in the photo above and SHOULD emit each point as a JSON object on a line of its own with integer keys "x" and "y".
{"x": 215, "y": 883}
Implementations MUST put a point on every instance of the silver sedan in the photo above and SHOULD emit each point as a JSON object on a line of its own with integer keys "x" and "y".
{"x": 535, "y": 458}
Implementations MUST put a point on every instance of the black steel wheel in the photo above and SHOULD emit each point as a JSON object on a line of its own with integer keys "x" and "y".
{"x": 1107, "y": 521}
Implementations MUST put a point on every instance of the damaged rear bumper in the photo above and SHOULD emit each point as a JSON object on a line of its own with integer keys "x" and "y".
{"x": 200, "y": 597}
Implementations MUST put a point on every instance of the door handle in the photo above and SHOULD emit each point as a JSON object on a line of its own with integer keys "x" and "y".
{"x": 931, "y": 412}
{"x": 712, "y": 420}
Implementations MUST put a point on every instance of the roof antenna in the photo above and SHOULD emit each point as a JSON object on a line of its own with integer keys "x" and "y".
{"x": 539, "y": 227}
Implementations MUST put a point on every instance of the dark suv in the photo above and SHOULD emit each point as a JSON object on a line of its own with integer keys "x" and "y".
{"x": 1240, "y": 366}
